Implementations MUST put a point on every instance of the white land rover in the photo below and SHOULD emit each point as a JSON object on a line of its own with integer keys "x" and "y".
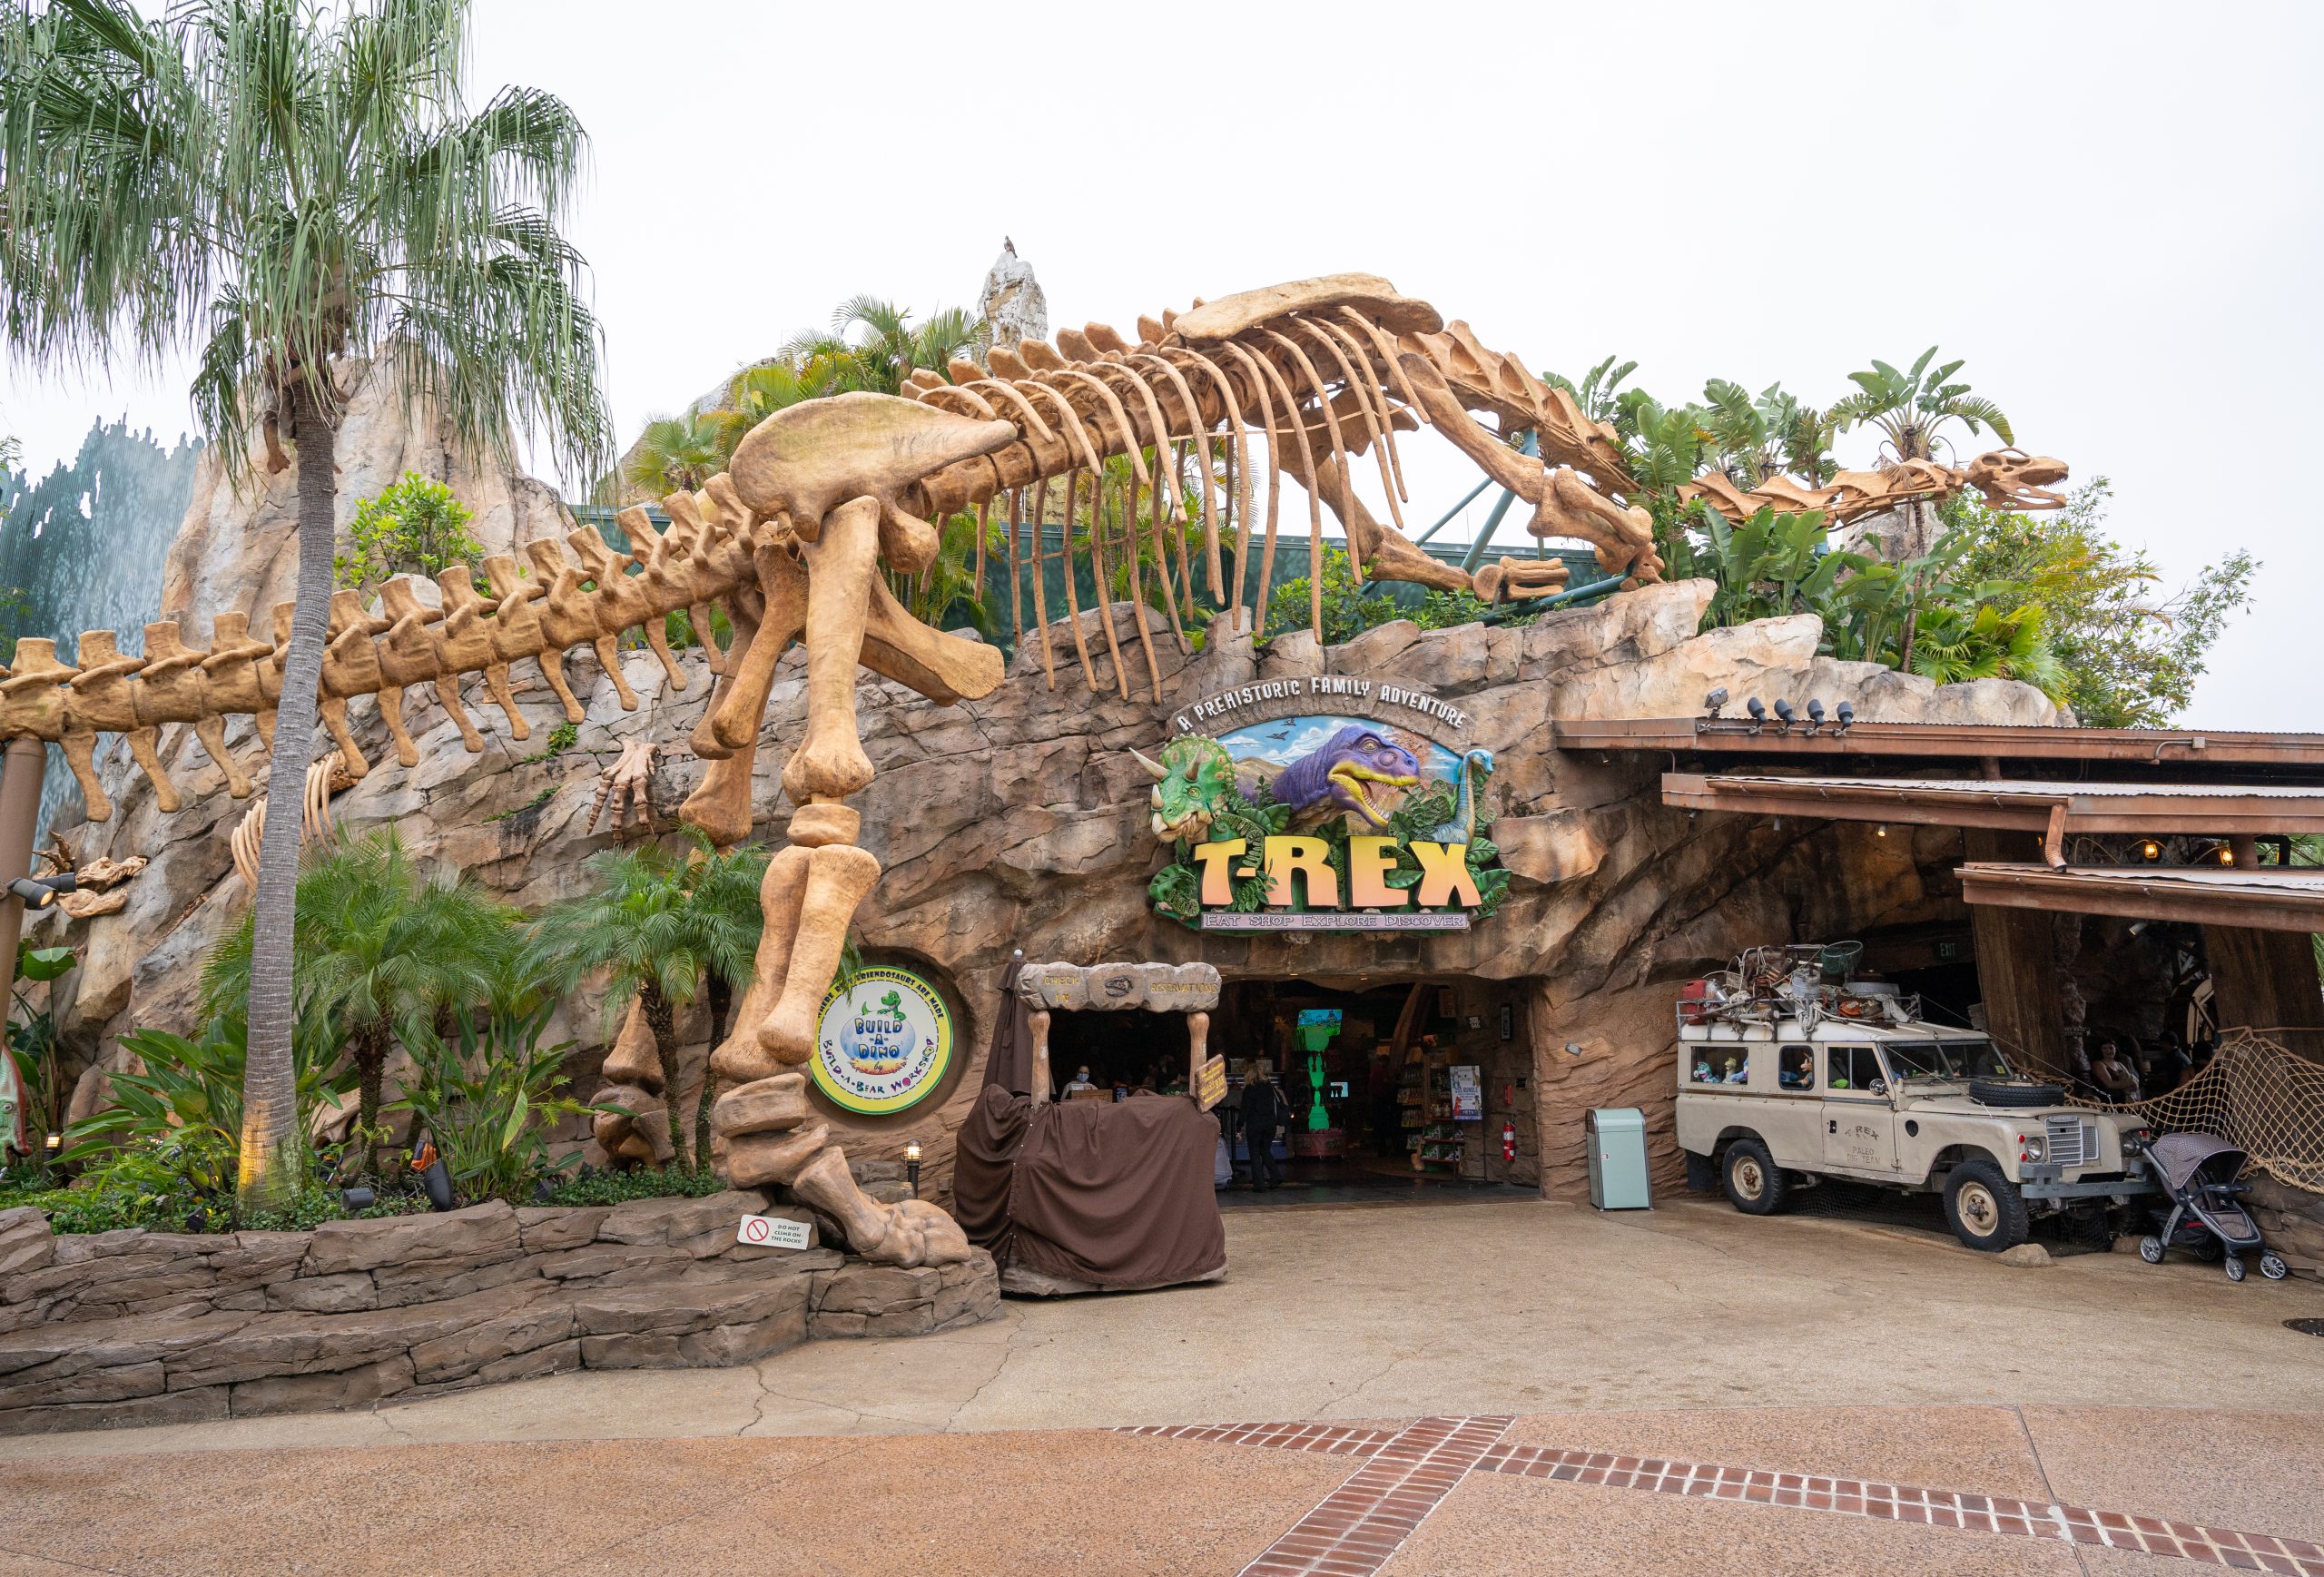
{"x": 1790, "y": 1072}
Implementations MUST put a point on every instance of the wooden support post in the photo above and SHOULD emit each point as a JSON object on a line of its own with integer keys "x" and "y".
{"x": 1040, "y": 1025}
{"x": 2267, "y": 979}
{"x": 2016, "y": 962}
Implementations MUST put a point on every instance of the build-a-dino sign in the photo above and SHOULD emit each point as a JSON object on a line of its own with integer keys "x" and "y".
{"x": 884, "y": 1040}
{"x": 1323, "y": 803}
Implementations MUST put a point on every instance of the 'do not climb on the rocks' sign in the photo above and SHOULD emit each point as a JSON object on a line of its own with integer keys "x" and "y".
{"x": 884, "y": 1041}
{"x": 1323, "y": 803}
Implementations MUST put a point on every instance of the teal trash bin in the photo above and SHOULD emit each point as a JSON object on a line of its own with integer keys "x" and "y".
{"x": 1616, "y": 1139}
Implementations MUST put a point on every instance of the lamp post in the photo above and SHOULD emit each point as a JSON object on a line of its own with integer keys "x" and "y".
{"x": 911, "y": 1166}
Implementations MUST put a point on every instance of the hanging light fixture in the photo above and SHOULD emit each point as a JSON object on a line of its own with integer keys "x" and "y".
{"x": 2150, "y": 851}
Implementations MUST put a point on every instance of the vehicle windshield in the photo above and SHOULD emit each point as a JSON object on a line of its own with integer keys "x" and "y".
{"x": 1933, "y": 1058}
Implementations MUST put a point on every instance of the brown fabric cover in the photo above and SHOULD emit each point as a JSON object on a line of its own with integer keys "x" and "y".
{"x": 1113, "y": 1194}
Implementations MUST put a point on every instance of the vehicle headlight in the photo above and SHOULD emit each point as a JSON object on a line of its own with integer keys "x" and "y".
{"x": 2030, "y": 1147}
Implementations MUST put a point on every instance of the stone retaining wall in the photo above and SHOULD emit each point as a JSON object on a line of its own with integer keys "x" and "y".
{"x": 157, "y": 1328}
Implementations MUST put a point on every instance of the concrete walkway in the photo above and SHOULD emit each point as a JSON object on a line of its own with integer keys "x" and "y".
{"x": 1400, "y": 1312}
{"x": 1518, "y": 1388}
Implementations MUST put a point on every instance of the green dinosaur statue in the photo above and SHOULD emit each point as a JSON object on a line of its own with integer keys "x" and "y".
{"x": 1189, "y": 780}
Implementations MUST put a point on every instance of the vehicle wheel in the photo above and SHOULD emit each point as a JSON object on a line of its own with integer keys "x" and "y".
{"x": 2235, "y": 1268}
{"x": 1986, "y": 1211}
{"x": 2015, "y": 1092}
{"x": 2272, "y": 1267}
{"x": 2150, "y": 1249}
{"x": 1755, "y": 1184}
{"x": 2209, "y": 1251}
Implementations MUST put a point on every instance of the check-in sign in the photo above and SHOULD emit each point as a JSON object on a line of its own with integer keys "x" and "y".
{"x": 1210, "y": 1083}
{"x": 772, "y": 1232}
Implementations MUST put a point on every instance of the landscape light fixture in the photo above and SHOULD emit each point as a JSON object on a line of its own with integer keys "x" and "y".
{"x": 1758, "y": 713}
{"x": 1715, "y": 703}
{"x": 1848, "y": 716}
{"x": 40, "y": 892}
{"x": 911, "y": 1166}
{"x": 1784, "y": 711}
{"x": 359, "y": 1198}
{"x": 1814, "y": 715}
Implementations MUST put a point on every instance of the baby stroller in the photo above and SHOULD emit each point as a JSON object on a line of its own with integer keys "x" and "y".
{"x": 2198, "y": 1172}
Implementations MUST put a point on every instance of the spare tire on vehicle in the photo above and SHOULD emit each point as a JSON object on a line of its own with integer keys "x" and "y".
{"x": 2019, "y": 1092}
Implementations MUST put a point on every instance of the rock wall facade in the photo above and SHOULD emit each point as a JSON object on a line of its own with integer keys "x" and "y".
{"x": 153, "y": 1327}
{"x": 1020, "y": 821}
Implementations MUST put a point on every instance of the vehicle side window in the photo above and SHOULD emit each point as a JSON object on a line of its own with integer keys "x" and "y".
{"x": 1853, "y": 1071}
{"x": 1796, "y": 1069}
{"x": 1724, "y": 1064}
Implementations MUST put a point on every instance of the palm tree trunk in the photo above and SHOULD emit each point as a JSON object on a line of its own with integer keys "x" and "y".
{"x": 663, "y": 1021}
{"x": 370, "y": 1050}
{"x": 717, "y": 994}
{"x": 267, "y": 1178}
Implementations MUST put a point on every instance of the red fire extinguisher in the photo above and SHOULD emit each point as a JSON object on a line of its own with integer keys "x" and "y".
{"x": 1508, "y": 1141}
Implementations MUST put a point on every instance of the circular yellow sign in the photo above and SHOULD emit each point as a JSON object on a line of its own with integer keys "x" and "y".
{"x": 883, "y": 1043}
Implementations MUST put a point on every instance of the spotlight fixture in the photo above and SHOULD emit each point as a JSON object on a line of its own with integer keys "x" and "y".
{"x": 1814, "y": 715}
{"x": 1784, "y": 711}
{"x": 911, "y": 1166}
{"x": 1758, "y": 713}
{"x": 1848, "y": 716}
{"x": 2150, "y": 851}
{"x": 354, "y": 1199}
{"x": 1714, "y": 703}
{"x": 40, "y": 892}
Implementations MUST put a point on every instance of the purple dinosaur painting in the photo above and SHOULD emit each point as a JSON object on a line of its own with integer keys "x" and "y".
{"x": 1349, "y": 774}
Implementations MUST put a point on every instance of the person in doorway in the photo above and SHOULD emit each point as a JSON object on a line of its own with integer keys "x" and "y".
{"x": 1263, "y": 1114}
{"x": 1387, "y": 1121}
{"x": 2112, "y": 1075}
{"x": 2171, "y": 1064}
{"x": 1081, "y": 1080}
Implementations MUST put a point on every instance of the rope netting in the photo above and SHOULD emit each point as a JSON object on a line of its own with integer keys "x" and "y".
{"x": 2255, "y": 1093}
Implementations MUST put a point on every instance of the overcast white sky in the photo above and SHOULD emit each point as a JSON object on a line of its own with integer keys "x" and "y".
{"x": 2111, "y": 209}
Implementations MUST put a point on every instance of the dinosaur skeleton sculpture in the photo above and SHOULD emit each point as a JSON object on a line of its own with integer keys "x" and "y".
{"x": 790, "y": 542}
{"x": 2009, "y": 480}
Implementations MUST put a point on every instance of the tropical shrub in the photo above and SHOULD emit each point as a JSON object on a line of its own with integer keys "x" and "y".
{"x": 414, "y": 527}
{"x": 31, "y": 1046}
{"x": 380, "y": 942}
{"x": 485, "y": 1095}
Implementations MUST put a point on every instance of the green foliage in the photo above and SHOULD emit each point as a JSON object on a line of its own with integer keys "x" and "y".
{"x": 1350, "y": 608}
{"x": 1769, "y": 566}
{"x": 561, "y": 738}
{"x": 1595, "y": 393}
{"x": 1911, "y": 409}
{"x": 274, "y": 187}
{"x": 485, "y": 1095}
{"x": 1761, "y": 439}
{"x": 875, "y": 345}
{"x": 527, "y": 808}
{"x": 642, "y": 1183}
{"x": 180, "y": 1118}
{"x": 31, "y": 1046}
{"x": 415, "y": 526}
{"x": 676, "y": 454}
{"x": 2129, "y": 654}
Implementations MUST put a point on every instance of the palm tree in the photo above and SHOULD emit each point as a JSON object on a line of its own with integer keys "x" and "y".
{"x": 1911, "y": 407}
{"x": 873, "y": 345}
{"x": 676, "y": 454}
{"x": 1762, "y": 438}
{"x": 656, "y": 925}
{"x": 378, "y": 943}
{"x": 280, "y": 189}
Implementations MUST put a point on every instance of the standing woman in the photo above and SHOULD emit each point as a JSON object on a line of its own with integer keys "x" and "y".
{"x": 1263, "y": 1112}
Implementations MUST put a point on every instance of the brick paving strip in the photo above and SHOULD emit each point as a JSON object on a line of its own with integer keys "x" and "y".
{"x": 1365, "y": 1552}
{"x": 1357, "y": 1527}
